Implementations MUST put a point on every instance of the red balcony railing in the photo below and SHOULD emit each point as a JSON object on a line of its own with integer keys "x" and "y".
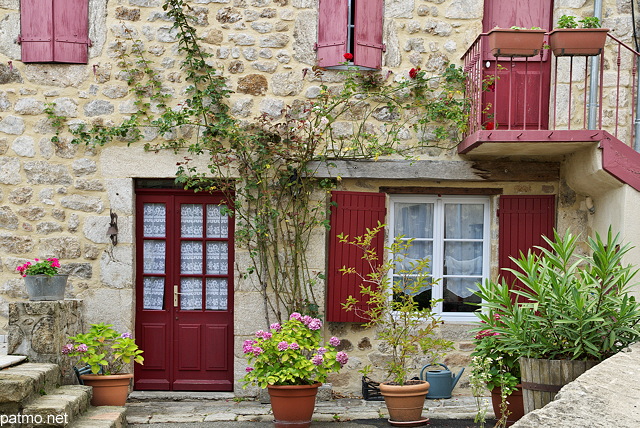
{"x": 548, "y": 92}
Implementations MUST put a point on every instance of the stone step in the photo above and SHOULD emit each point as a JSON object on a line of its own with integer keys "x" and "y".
{"x": 59, "y": 408}
{"x": 102, "y": 417}
{"x": 11, "y": 360}
{"x": 24, "y": 382}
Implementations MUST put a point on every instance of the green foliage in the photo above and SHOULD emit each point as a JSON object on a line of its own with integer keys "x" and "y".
{"x": 104, "y": 349}
{"x": 590, "y": 22}
{"x": 47, "y": 267}
{"x": 292, "y": 353}
{"x": 567, "y": 21}
{"x": 570, "y": 307}
{"x": 399, "y": 321}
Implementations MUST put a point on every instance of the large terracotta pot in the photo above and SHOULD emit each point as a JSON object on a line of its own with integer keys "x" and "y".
{"x": 405, "y": 403}
{"x": 293, "y": 405}
{"x": 44, "y": 287}
{"x": 578, "y": 41}
{"x": 108, "y": 390}
{"x": 515, "y": 43}
{"x": 515, "y": 406}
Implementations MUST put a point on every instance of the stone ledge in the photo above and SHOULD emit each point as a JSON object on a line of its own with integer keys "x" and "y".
{"x": 19, "y": 383}
{"x": 102, "y": 417}
{"x": 69, "y": 400}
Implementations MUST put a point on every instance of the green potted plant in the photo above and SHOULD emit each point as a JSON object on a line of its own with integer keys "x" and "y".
{"x": 498, "y": 370}
{"x": 42, "y": 279}
{"x": 407, "y": 329}
{"x": 107, "y": 352}
{"x": 516, "y": 41}
{"x": 569, "y": 40}
{"x": 291, "y": 360}
{"x": 568, "y": 312}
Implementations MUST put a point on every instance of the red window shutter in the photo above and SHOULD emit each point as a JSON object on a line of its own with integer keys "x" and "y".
{"x": 368, "y": 34}
{"x": 36, "y": 30}
{"x": 351, "y": 214}
{"x": 523, "y": 221}
{"x": 332, "y": 32}
{"x": 71, "y": 31}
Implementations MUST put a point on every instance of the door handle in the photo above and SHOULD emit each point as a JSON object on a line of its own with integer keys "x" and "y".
{"x": 175, "y": 296}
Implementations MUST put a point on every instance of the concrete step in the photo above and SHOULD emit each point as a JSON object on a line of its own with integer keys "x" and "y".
{"x": 22, "y": 383}
{"x": 102, "y": 417}
{"x": 59, "y": 408}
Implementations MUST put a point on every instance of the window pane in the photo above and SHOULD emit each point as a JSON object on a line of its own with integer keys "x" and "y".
{"x": 154, "y": 220}
{"x": 191, "y": 257}
{"x": 217, "y": 258}
{"x": 458, "y": 292}
{"x": 217, "y": 294}
{"x": 417, "y": 250}
{"x": 191, "y": 294}
{"x": 217, "y": 223}
{"x": 191, "y": 220}
{"x": 414, "y": 220}
{"x": 153, "y": 255}
{"x": 463, "y": 221}
{"x": 462, "y": 258}
{"x": 423, "y": 298}
{"x": 153, "y": 292}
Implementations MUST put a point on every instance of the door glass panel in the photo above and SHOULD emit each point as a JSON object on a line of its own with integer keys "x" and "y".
{"x": 217, "y": 223}
{"x": 191, "y": 220}
{"x": 153, "y": 287}
{"x": 217, "y": 294}
{"x": 217, "y": 262}
{"x": 153, "y": 256}
{"x": 463, "y": 221}
{"x": 414, "y": 220}
{"x": 191, "y": 257}
{"x": 154, "y": 222}
{"x": 191, "y": 294}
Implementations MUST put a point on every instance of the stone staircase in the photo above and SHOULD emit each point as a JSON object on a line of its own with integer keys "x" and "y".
{"x": 31, "y": 396}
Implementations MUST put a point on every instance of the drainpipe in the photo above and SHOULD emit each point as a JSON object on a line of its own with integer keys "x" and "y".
{"x": 636, "y": 140}
{"x": 595, "y": 76}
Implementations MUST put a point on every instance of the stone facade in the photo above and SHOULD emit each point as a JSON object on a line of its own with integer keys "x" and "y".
{"x": 55, "y": 197}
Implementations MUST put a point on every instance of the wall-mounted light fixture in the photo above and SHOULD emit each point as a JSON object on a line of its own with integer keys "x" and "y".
{"x": 112, "y": 232}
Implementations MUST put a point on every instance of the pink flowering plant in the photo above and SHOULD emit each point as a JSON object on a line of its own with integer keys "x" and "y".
{"x": 292, "y": 353}
{"x": 104, "y": 349}
{"x": 47, "y": 267}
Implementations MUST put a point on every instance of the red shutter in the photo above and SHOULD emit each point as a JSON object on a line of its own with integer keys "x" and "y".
{"x": 368, "y": 34}
{"x": 71, "y": 31}
{"x": 36, "y": 30}
{"x": 351, "y": 214}
{"x": 523, "y": 221}
{"x": 332, "y": 32}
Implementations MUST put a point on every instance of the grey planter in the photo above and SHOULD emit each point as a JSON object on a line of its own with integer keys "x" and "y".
{"x": 43, "y": 287}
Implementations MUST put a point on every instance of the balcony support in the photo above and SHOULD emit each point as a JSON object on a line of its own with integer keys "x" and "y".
{"x": 595, "y": 73}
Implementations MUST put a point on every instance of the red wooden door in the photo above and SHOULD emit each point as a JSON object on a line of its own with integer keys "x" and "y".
{"x": 523, "y": 220}
{"x": 184, "y": 292}
{"x": 519, "y": 97}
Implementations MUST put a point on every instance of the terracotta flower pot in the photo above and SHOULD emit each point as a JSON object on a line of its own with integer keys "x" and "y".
{"x": 405, "y": 403}
{"x": 108, "y": 390}
{"x": 578, "y": 41}
{"x": 293, "y": 405}
{"x": 515, "y": 405}
{"x": 511, "y": 43}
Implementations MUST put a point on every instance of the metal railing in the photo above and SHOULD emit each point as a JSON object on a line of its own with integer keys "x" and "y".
{"x": 493, "y": 89}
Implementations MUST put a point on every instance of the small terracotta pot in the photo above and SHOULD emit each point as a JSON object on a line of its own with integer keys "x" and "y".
{"x": 293, "y": 405}
{"x": 108, "y": 390}
{"x": 405, "y": 402}
{"x": 515, "y": 405}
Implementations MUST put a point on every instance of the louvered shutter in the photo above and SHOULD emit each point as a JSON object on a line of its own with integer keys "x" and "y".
{"x": 523, "y": 222}
{"x": 368, "y": 33}
{"x": 71, "y": 31}
{"x": 36, "y": 30}
{"x": 351, "y": 214}
{"x": 332, "y": 32}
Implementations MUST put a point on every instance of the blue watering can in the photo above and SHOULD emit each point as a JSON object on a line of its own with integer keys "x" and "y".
{"x": 441, "y": 382}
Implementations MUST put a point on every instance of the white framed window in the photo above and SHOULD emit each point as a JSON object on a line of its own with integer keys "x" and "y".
{"x": 453, "y": 232}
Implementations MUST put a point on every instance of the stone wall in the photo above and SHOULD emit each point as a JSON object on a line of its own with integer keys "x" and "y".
{"x": 39, "y": 330}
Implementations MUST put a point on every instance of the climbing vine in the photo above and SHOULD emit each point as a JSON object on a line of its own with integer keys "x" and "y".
{"x": 267, "y": 168}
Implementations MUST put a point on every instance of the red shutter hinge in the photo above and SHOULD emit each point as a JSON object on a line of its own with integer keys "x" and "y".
{"x": 498, "y": 213}
{"x": 90, "y": 42}
{"x": 19, "y": 39}
{"x": 315, "y": 46}
{"x": 384, "y": 47}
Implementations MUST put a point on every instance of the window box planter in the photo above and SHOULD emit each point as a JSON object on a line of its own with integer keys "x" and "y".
{"x": 578, "y": 41}
{"x": 508, "y": 42}
{"x": 43, "y": 287}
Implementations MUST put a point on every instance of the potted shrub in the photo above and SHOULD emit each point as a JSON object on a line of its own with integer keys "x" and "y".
{"x": 107, "y": 352}
{"x": 42, "y": 279}
{"x": 291, "y": 361}
{"x": 401, "y": 324}
{"x": 516, "y": 41}
{"x": 568, "y": 313}
{"x": 498, "y": 370}
{"x": 569, "y": 40}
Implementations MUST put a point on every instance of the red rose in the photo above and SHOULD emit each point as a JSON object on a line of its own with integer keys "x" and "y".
{"x": 489, "y": 126}
{"x": 414, "y": 72}
{"x": 348, "y": 56}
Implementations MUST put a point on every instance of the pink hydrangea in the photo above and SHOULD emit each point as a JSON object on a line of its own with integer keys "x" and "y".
{"x": 294, "y": 346}
{"x": 322, "y": 351}
{"x": 306, "y": 319}
{"x": 264, "y": 334}
{"x": 283, "y": 346}
{"x": 295, "y": 316}
{"x": 317, "y": 359}
{"x": 276, "y": 326}
{"x": 247, "y": 346}
{"x": 342, "y": 358}
{"x": 82, "y": 348}
{"x": 334, "y": 341}
{"x": 257, "y": 350}
{"x": 67, "y": 348}
{"x": 315, "y": 324}
{"x": 249, "y": 369}
{"x": 126, "y": 336}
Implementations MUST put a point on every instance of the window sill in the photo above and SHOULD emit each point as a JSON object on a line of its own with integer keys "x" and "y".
{"x": 351, "y": 67}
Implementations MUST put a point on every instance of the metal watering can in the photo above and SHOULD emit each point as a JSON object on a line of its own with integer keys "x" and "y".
{"x": 441, "y": 382}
